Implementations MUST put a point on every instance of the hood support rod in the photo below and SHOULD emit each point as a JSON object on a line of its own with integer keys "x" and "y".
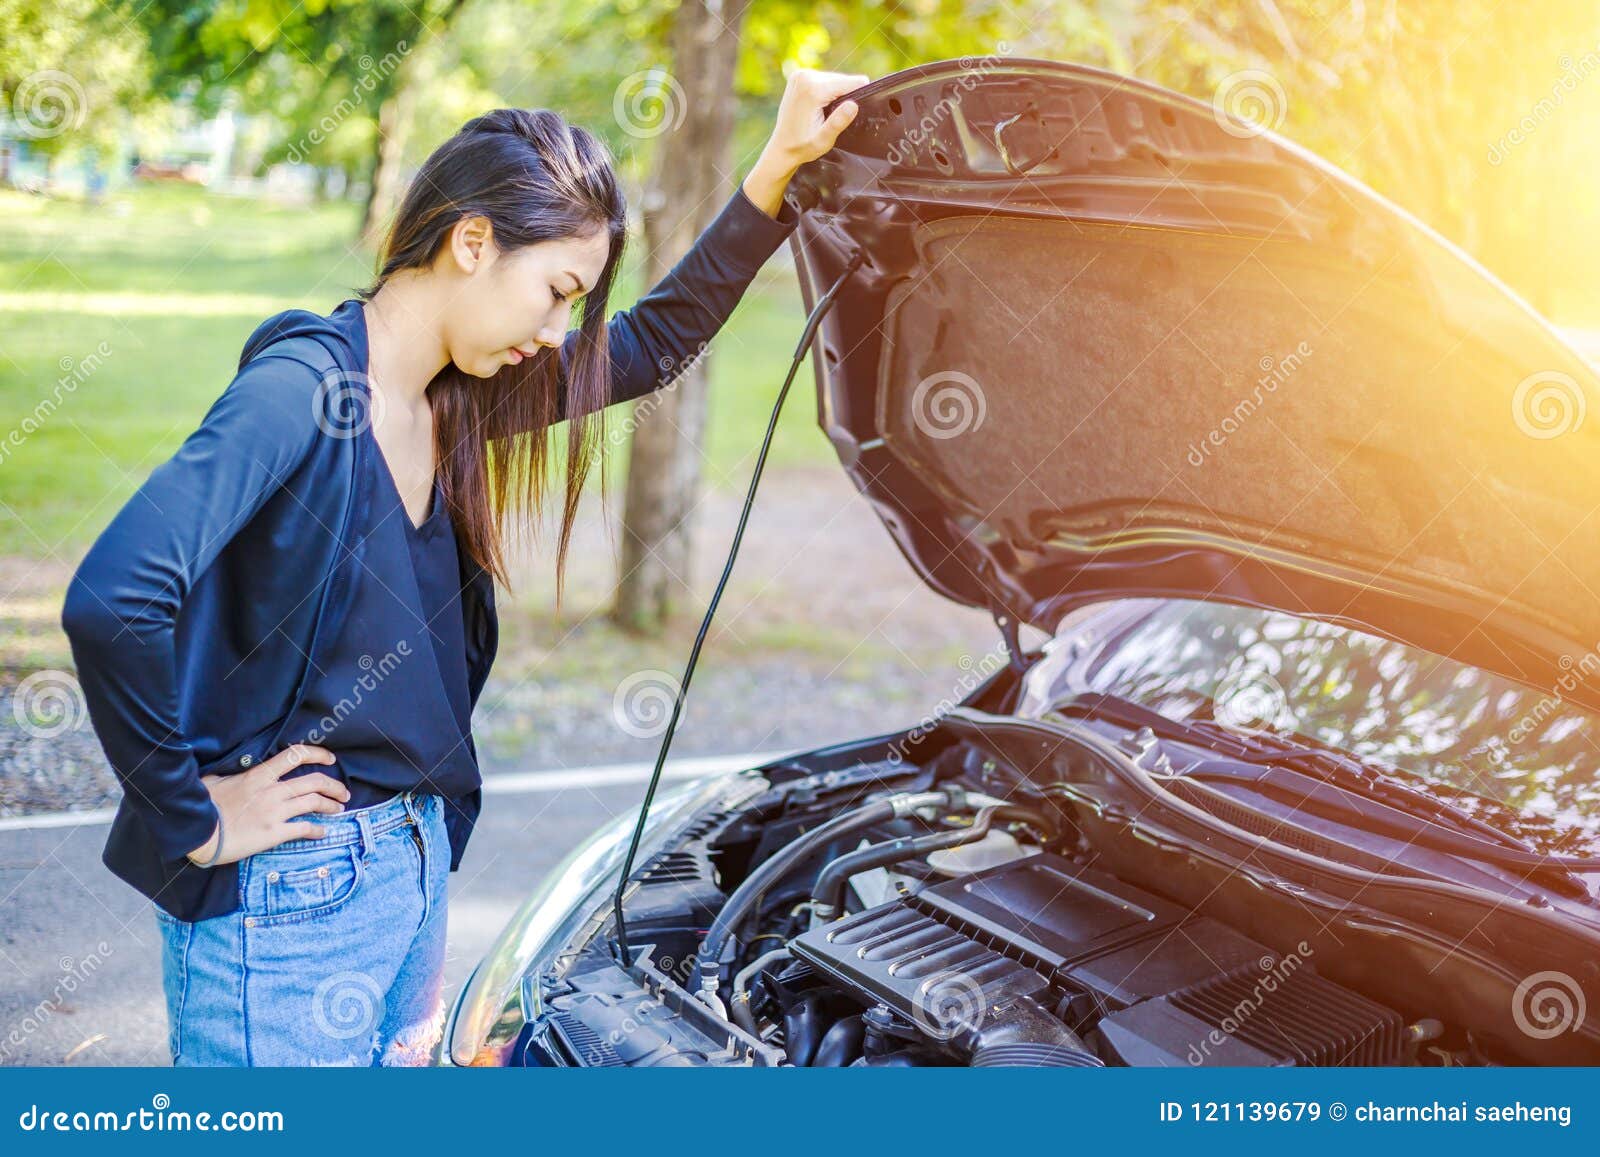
{"x": 806, "y": 336}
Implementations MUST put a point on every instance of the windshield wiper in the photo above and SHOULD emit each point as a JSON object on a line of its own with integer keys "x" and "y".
{"x": 1454, "y": 831}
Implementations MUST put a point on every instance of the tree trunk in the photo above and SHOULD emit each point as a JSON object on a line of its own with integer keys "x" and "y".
{"x": 687, "y": 189}
{"x": 396, "y": 113}
{"x": 383, "y": 192}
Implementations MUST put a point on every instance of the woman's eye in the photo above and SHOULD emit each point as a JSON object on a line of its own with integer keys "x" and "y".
{"x": 557, "y": 294}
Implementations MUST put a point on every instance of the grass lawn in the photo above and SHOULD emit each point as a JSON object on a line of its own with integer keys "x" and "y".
{"x": 157, "y": 290}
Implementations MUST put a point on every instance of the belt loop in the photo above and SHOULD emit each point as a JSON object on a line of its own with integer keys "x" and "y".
{"x": 364, "y": 823}
{"x": 412, "y": 811}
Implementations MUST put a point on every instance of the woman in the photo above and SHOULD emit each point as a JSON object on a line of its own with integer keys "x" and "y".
{"x": 282, "y": 635}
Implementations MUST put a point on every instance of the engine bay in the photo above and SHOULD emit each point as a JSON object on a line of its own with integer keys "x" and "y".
{"x": 953, "y": 911}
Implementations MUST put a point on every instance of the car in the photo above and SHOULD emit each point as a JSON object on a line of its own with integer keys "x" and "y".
{"x": 1298, "y": 502}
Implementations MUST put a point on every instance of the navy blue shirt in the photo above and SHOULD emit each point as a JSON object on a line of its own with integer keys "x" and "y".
{"x": 218, "y": 591}
{"x": 391, "y": 700}
{"x": 438, "y": 571}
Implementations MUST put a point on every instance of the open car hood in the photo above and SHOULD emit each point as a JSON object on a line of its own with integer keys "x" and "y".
{"x": 1106, "y": 341}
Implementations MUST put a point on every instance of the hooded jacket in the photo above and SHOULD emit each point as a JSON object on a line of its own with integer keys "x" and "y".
{"x": 198, "y": 614}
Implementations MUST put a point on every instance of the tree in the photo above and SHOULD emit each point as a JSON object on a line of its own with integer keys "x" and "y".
{"x": 690, "y": 183}
{"x": 355, "y": 58}
{"x": 70, "y": 74}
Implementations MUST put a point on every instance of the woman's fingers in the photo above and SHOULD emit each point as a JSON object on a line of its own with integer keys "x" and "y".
{"x": 838, "y": 120}
{"x": 829, "y": 128}
{"x": 293, "y": 756}
{"x": 827, "y": 85}
{"x": 258, "y": 805}
{"x": 304, "y": 830}
{"x": 311, "y": 802}
{"x": 802, "y": 133}
{"x": 315, "y": 783}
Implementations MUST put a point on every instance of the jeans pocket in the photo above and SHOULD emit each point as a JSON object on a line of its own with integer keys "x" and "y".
{"x": 302, "y": 885}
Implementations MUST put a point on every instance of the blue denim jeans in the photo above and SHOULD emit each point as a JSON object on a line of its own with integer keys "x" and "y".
{"x": 335, "y": 955}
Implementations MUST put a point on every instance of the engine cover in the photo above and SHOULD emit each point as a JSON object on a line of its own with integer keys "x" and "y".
{"x": 1149, "y": 983}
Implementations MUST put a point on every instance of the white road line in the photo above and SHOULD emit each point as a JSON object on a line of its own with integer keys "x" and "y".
{"x": 57, "y": 819}
{"x": 610, "y": 774}
{"x": 509, "y": 783}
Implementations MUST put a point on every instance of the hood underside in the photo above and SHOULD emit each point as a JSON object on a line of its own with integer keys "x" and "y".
{"x": 1106, "y": 342}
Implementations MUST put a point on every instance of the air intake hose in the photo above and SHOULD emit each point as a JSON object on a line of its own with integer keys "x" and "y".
{"x": 747, "y": 897}
{"x": 1027, "y": 1033}
{"x": 1034, "y": 1056}
{"x": 828, "y": 892}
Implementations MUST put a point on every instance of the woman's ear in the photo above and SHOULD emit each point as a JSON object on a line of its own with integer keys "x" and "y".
{"x": 471, "y": 242}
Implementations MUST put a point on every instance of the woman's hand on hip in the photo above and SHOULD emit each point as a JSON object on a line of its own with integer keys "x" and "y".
{"x": 801, "y": 132}
{"x": 257, "y": 805}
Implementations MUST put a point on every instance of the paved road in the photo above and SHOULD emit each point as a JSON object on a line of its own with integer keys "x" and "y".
{"x": 80, "y": 952}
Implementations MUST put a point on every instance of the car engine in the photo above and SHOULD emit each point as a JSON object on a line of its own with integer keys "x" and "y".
{"x": 884, "y": 914}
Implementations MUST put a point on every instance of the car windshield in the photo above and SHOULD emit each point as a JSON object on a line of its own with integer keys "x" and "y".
{"x": 1515, "y": 756}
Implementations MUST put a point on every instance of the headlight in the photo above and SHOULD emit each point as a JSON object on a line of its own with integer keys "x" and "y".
{"x": 549, "y": 918}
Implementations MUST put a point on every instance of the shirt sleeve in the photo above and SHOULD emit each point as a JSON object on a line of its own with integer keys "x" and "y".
{"x": 122, "y": 604}
{"x": 652, "y": 342}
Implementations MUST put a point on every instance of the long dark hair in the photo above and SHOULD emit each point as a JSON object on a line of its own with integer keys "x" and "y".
{"x": 536, "y": 178}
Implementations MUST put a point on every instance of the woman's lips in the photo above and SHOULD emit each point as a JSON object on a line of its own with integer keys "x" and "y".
{"x": 516, "y": 356}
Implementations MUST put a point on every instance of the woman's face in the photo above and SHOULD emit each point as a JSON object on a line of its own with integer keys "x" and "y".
{"x": 505, "y": 306}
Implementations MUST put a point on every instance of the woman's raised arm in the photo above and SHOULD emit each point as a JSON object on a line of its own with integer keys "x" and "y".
{"x": 652, "y": 342}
